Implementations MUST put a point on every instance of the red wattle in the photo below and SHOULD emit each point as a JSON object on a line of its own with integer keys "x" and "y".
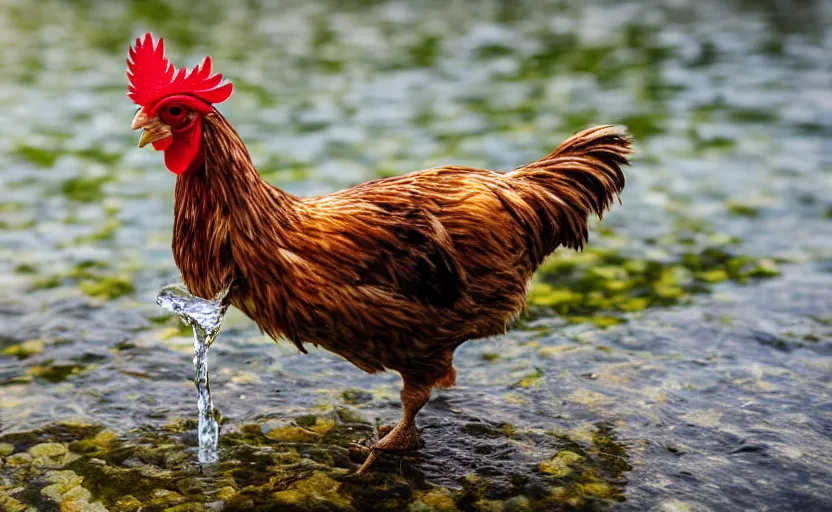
{"x": 161, "y": 145}
{"x": 184, "y": 149}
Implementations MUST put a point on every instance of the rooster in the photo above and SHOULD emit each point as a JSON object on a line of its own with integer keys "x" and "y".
{"x": 392, "y": 274}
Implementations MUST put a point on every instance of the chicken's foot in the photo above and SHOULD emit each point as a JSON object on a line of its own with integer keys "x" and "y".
{"x": 404, "y": 436}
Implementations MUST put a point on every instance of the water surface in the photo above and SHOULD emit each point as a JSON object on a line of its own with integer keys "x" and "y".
{"x": 682, "y": 362}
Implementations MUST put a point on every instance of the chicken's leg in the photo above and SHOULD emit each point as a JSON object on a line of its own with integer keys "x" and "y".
{"x": 404, "y": 436}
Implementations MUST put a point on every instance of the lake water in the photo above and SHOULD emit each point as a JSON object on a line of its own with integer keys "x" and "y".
{"x": 683, "y": 362}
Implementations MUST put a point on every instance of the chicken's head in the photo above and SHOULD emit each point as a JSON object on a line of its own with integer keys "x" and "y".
{"x": 172, "y": 104}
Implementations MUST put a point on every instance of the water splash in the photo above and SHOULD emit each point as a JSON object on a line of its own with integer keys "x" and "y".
{"x": 205, "y": 318}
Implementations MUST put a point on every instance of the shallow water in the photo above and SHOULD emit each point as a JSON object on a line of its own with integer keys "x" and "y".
{"x": 682, "y": 362}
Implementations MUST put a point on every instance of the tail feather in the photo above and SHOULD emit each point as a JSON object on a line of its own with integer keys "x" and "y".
{"x": 582, "y": 176}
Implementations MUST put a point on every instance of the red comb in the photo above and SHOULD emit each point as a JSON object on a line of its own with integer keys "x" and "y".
{"x": 153, "y": 77}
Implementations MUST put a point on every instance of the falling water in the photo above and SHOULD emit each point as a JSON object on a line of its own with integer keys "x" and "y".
{"x": 205, "y": 318}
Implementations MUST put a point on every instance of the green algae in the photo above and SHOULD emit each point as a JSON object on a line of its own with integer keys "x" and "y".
{"x": 94, "y": 468}
{"x": 559, "y": 465}
{"x": 85, "y": 189}
{"x": 55, "y": 372}
{"x": 319, "y": 491}
{"x": 593, "y": 285}
{"x": 25, "y": 349}
{"x": 108, "y": 288}
{"x": 92, "y": 279}
{"x": 741, "y": 209}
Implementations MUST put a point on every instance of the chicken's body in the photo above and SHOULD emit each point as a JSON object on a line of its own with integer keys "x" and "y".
{"x": 393, "y": 273}
{"x": 390, "y": 274}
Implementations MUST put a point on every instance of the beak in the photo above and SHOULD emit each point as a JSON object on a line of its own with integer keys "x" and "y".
{"x": 139, "y": 120}
{"x": 154, "y": 129}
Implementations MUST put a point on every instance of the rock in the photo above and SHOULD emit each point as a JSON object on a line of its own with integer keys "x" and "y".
{"x": 25, "y": 349}
{"x": 437, "y": 500}
{"x": 164, "y": 497}
{"x": 187, "y": 507}
{"x": 50, "y": 450}
{"x": 9, "y": 504}
{"x": 47, "y": 454}
{"x": 6, "y": 449}
{"x": 68, "y": 493}
{"x": 560, "y": 465}
{"x": 317, "y": 492}
{"x": 484, "y": 505}
{"x": 61, "y": 483}
{"x": 517, "y": 504}
{"x": 226, "y": 493}
{"x": 19, "y": 459}
{"x": 598, "y": 489}
{"x": 285, "y": 433}
{"x": 127, "y": 503}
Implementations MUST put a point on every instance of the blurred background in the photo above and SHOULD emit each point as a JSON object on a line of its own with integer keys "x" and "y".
{"x": 682, "y": 362}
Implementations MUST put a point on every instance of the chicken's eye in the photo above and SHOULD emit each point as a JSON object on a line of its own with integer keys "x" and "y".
{"x": 174, "y": 115}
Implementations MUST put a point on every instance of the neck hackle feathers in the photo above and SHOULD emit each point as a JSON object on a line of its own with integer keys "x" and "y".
{"x": 153, "y": 77}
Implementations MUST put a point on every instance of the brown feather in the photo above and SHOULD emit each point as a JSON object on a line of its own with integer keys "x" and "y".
{"x": 393, "y": 273}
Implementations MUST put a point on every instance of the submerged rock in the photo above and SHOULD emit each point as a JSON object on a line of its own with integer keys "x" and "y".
{"x": 66, "y": 491}
{"x": 318, "y": 492}
{"x": 6, "y": 449}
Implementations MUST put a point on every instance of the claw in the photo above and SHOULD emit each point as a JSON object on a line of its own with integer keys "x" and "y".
{"x": 371, "y": 458}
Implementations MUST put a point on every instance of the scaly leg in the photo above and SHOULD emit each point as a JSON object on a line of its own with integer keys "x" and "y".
{"x": 404, "y": 436}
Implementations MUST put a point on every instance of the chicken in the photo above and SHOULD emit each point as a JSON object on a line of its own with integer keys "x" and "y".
{"x": 393, "y": 274}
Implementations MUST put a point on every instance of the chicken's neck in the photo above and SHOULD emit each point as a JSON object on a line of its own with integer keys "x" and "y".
{"x": 222, "y": 209}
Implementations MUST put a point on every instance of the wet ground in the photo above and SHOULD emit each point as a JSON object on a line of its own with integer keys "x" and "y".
{"x": 681, "y": 363}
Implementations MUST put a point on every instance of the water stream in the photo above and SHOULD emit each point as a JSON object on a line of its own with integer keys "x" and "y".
{"x": 205, "y": 318}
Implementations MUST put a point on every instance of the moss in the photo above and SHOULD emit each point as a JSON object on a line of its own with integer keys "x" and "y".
{"x": 108, "y": 288}
{"x": 6, "y": 449}
{"x": 517, "y": 504}
{"x": 45, "y": 283}
{"x": 48, "y": 450}
{"x": 9, "y": 504}
{"x": 435, "y": 500}
{"x": 559, "y": 466}
{"x": 531, "y": 380}
{"x": 598, "y": 489}
{"x": 350, "y": 416}
{"x": 713, "y": 276}
{"x": 18, "y": 460}
{"x": 186, "y": 507}
{"x": 761, "y": 269}
{"x": 127, "y": 503}
{"x": 26, "y": 349}
{"x": 594, "y": 285}
{"x": 356, "y": 396}
{"x": 25, "y": 268}
{"x": 741, "y": 210}
{"x": 315, "y": 423}
{"x": 425, "y": 52}
{"x": 318, "y": 492}
{"x": 105, "y": 231}
{"x": 561, "y": 299}
{"x": 84, "y": 189}
{"x": 40, "y": 157}
{"x": 292, "y": 434}
{"x": 104, "y": 441}
{"x": 56, "y": 372}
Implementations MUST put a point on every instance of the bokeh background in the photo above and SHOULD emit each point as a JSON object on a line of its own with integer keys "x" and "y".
{"x": 681, "y": 363}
